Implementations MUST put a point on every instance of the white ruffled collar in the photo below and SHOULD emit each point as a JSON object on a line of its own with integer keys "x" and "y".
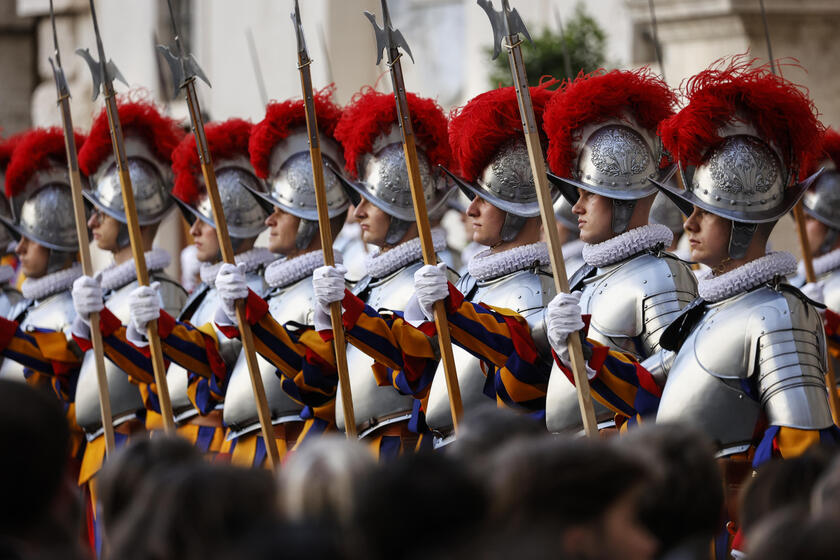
{"x": 747, "y": 276}
{"x": 284, "y": 272}
{"x": 7, "y": 273}
{"x": 627, "y": 244}
{"x": 118, "y": 275}
{"x": 39, "y": 288}
{"x": 253, "y": 259}
{"x": 823, "y": 264}
{"x": 380, "y": 265}
{"x": 487, "y": 265}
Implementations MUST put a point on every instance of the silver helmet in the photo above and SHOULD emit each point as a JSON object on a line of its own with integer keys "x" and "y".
{"x": 564, "y": 215}
{"x": 665, "y": 212}
{"x": 822, "y": 202}
{"x": 291, "y": 185}
{"x": 616, "y": 159}
{"x": 237, "y": 183}
{"x": 742, "y": 179}
{"x": 384, "y": 182}
{"x": 151, "y": 181}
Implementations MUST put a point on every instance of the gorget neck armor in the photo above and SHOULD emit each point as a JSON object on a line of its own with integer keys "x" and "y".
{"x": 49, "y": 284}
{"x": 118, "y": 275}
{"x": 627, "y": 244}
{"x": 283, "y": 272}
{"x": 745, "y": 277}
{"x": 253, "y": 259}
{"x": 487, "y": 265}
{"x": 381, "y": 264}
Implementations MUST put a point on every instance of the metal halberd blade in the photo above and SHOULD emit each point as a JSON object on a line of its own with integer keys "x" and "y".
{"x": 301, "y": 40}
{"x": 103, "y": 73}
{"x": 387, "y": 37}
{"x": 58, "y": 71}
{"x": 505, "y": 22}
{"x": 183, "y": 66}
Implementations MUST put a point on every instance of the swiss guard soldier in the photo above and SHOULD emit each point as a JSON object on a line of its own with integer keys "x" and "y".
{"x": 9, "y": 295}
{"x": 200, "y": 357}
{"x": 150, "y": 138}
{"x": 745, "y": 361}
{"x": 603, "y": 153}
{"x": 279, "y": 151}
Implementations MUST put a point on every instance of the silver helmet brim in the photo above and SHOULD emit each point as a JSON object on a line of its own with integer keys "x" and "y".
{"x": 91, "y": 197}
{"x": 526, "y": 210}
{"x": 190, "y": 214}
{"x": 568, "y": 187}
{"x": 686, "y": 201}
{"x": 17, "y": 232}
{"x": 311, "y": 214}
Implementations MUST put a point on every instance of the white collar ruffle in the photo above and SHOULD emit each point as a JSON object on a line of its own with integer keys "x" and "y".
{"x": 118, "y": 275}
{"x": 747, "y": 276}
{"x": 627, "y": 244}
{"x": 380, "y": 265}
{"x": 283, "y": 272}
{"x": 53, "y": 283}
{"x": 253, "y": 259}
{"x": 487, "y": 265}
{"x": 822, "y": 264}
{"x": 7, "y": 273}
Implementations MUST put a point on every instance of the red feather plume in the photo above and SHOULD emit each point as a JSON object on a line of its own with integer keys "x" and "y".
{"x": 281, "y": 118}
{"x": 733, "y": 90}
{"x": 478, "y": 129}
{"x": 140, "y": 118}
{"x": 371, "y": 114}
{"x": 831, "y": 146}
{"x": 33, "y": 152}
{"x": 226, "y": 140}
{"x": 7, "y": 146}
{"x": 598, "y": 97}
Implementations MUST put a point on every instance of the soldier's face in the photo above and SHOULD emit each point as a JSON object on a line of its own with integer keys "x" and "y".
{"x": 282, "y": 232}
{"x": 206, "y": 242}
{"x": 487, "y": 222}
{"x": 816, "y": 233}
{"x": 34, "y": 258}
{"x": 708, "y": 237}
{"x": 594, "y": 214}
{"x": 373, "y": 221}
{"x": 105, "y": 230}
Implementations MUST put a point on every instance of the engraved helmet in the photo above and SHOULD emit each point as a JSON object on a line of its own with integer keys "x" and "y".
{"x": 38, "y": 187}
{"x": 822, "y": 200}
{"x": 279, "y": 150}
{"x": 564, "y": 215}
{"x": 602, "y": 138}
{"x": 235, "y": 178}
{"x": 149, "y": 140}
{"x": 488, "y": 148}
{"x": 373, "y": 152}
{"x": 741, "y": 150}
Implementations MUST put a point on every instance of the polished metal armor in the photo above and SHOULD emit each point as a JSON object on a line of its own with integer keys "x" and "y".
{"x": 200, "y": 309}
{"x": 46, "y": 216}
{"x": 526, "y": 292}
{"x": 564, "y": 215}
{"x": 238, "y": 191}
{"x": 665, "y": 212}
{"x": 373, "y": 405}
{"x": 630, "y": 303}
{"x": 763, "y": 350}
{"x": 295, "y": 303}
{"x": 151, "y": 181}
{"x": 822, "y": 202}
{"x": 55, "y": 313}
{"x": 125, "y": 396}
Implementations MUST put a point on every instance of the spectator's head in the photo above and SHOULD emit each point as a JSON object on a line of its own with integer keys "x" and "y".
{"x": 486, "y": 428}
{"x": 825, "y": 500}
{"x": 790, "y": 534}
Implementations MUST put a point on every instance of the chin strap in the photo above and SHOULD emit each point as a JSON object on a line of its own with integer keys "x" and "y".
{"x": 306, "y": 231}
{"x": 739, "y": 239}
{"x": 622, "y": 211}
{"x": 396, "y": 231}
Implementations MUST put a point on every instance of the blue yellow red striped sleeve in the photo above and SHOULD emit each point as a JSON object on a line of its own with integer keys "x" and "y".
{"x": 39, "y": 350}
{"x": 620, "y": 382}
{"x": 404, "y": 355}
{"x": 784, "y": 442}
{"x": 194, "y": 348}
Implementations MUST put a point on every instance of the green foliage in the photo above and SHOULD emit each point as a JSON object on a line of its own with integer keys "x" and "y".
{"x": 585, "y": 44}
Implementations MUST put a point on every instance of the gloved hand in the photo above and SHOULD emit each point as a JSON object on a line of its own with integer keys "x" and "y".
{"x": 87, "y": 297}
{"x": 812, "y": 290}
{"x": 430, "y": 286}
{"x": 144, "y": 305}
{"x": 231, "y": 285}
{"x": 328, "y": 286}
{"x": 563, "y": 317}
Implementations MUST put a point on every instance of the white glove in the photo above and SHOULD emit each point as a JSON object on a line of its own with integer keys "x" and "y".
{"x": 144, "y": 305}
{"x": 328, "y": 286}
{"x": 87, "y": 297}
{"x": 563, "y": 317}
{"x": 812, "y": 290}
{"x": 231, "y": 285}
{"x": 430, "y": 286}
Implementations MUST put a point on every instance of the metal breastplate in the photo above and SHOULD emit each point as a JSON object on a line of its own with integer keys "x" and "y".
{"x": 125, "y": 396}
{"x": 632, "y": 302}
{"x": 292, "y": 303}
{"x": 525, "y": 292}
{"x": 376, "y": 406}
{"x": 199, "y": 310}
{"x": 763, "y": 350}
{"x": 53, "y": 313}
